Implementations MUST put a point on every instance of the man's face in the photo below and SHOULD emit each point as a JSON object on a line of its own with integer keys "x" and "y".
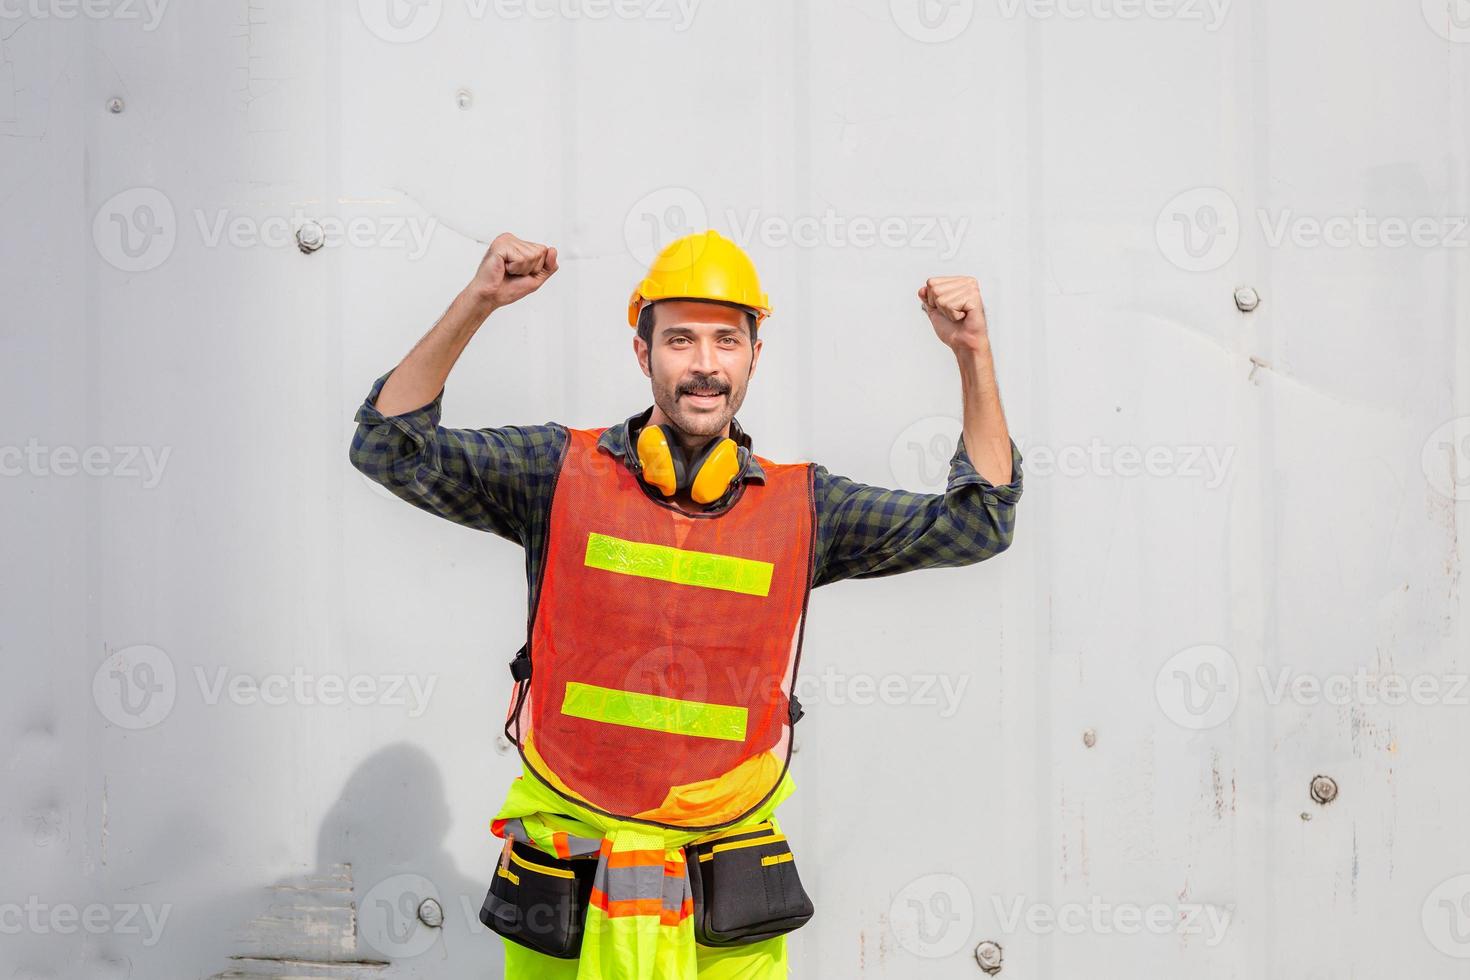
{"x": 698, "y": 347}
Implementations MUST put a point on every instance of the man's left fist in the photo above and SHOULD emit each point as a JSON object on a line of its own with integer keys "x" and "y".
{"x": 954, "y": 308}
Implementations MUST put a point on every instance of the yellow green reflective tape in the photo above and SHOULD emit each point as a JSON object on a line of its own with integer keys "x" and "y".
{"x": 654, "y": 712}
{"x": 702, "y": 568}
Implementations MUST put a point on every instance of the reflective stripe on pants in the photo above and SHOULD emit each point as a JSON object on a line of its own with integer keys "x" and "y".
{"x": 758, "y": 961}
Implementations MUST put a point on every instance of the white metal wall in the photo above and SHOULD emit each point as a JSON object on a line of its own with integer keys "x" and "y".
{"x": 1096, "y": 752}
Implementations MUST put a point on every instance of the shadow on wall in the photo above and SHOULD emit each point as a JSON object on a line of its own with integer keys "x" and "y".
{"x": 361, "y": 912}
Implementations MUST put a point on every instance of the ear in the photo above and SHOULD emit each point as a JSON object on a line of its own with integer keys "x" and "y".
{"x": 755, "y": 356}
{"x": 640, "y": 351}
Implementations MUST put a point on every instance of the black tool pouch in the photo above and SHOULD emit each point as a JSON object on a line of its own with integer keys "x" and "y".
{"x": 540, "y": 900}
{"x": 745, "y": 888}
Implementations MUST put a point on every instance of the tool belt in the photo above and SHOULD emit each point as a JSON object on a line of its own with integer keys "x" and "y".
{"x": 744, "y": 884}
{"x": 540, "y": 900}
{"x": 745, "y": 887}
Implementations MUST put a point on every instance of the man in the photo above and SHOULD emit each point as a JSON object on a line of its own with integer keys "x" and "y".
{"x": 668, "y": 569}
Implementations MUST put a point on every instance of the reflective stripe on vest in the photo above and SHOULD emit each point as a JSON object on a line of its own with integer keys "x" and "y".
{"x": 654, "y": 712}
{"x": 699, "y": 568}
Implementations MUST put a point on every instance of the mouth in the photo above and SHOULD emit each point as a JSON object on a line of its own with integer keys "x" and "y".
{"x": 704, "y": 398}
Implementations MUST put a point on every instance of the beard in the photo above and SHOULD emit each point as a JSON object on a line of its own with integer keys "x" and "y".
{"x": 672, "y": 401}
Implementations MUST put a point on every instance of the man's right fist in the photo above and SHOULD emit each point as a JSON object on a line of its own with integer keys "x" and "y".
{"x": 512, "y": 268}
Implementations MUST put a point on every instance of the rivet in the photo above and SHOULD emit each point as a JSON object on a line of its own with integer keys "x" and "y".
{"x": 115, "y": 105}
{"x": 1324, "y": 789}
{"x": 1247, "y": 299}
{"x": 463, "y": 98}
{"x": 431, "y": 913}
{"x": 310, "y": 237}
{"x": 1089, "y": 738}
{"x": 988, "y": 955}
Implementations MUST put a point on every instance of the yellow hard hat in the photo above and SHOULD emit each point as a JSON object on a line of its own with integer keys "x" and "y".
{"x": 704, "y": 265}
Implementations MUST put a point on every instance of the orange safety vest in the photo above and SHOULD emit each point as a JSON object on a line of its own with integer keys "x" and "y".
{"x": 664, "y": 645}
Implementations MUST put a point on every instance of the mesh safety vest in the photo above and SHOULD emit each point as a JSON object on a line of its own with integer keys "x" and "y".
{"x": 664, "y": 645}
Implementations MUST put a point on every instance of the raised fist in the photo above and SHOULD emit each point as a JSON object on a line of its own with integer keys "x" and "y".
{"x": 955, "y": 311}
{"x": 512, "y": 268}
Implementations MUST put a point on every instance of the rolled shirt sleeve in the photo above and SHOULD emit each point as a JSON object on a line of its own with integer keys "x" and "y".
{"x": 487, "y": 479}
{"x": 869, "y": 531}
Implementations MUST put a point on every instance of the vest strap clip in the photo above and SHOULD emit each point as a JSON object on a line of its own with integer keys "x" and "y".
{"x": 520, "y": 667}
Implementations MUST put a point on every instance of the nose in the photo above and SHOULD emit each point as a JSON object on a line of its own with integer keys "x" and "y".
{"x": 705, "y": 361}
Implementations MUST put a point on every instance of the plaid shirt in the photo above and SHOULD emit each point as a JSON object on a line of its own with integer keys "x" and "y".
{"x": 500, "y": 480}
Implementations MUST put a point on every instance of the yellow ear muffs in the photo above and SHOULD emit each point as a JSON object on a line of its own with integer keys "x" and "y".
{"x": 717, "y": 464}
{"x": 657, "y": 460}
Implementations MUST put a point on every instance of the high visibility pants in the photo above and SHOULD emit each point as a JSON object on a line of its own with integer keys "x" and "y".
{"x": 758, "y": 961}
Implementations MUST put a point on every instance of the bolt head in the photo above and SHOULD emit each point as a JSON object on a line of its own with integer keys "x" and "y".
{"x": 1324, "y": 789}
{"x": 115, "y": 105}
{"x": 1247, "y": 299}
{"x": 431, "y": 913}
{"x": 988, "y": 955}
{"x": 310, "y": 237}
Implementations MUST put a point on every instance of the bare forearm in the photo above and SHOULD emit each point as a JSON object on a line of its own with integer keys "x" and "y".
{"x": 420, "y": 376}
{"x": 986, "y": 438}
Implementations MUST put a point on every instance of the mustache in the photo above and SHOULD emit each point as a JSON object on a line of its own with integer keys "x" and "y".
{"x": 717, "y": 387}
